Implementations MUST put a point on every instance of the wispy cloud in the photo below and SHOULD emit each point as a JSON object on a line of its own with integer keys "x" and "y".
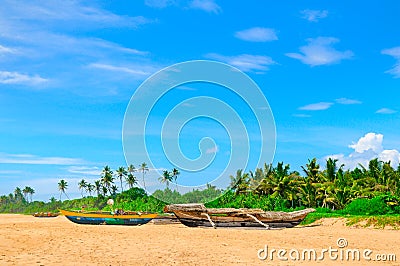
{"x": 66, "y": 13}
{"x": 386, "y": 111}
{"x": 257, "y": 34}
{"x": 320, "y": 51}
{"x": 34, "y": 159}
{"x": 5, "y": 50}
{"x": 42, "y": 33}
{"x": 128, "y": 70}
{"x": 85, "y": 170}
{"x": 316, "y": 106}
{"x": 18, "y": 78}
{"x": 159, "y": 3}
{"x": 314, "y": 15}
{"x": 245, "y": 62}
{"x": 206, "y": 5}
{"x": 394, "y": 52}
{"x": 347, "y": 101}
{"x": 301, "y": 115}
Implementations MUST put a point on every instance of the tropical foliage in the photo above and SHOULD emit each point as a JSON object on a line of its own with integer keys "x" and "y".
{"x": 372, "y": 190}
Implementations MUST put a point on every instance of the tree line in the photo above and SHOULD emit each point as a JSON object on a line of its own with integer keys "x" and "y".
{"x": 332, "y": 187}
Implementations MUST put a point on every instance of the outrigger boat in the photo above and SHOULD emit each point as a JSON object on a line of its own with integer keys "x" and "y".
{"x": 194, "y": 215}
{"x": 45, "y": 214}
{"x": 125, "y": 218}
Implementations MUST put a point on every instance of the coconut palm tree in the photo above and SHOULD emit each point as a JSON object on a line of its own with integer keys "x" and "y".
{"x": 31, "y": 192}
{"x": 240, "y": 182}
{"x": 165, "y": 178}
{"x": 143, "y": 168}
{"x": 90, "y": 188}
{"x": 107, "y": 178}
{"x": 62, "y": 186}
{"x": 175, "y": 173}
{"x": 121, "y": 173}
{"x": 131, "y": 180}
{"x": 97, "y": 187}
{"x": 18, "y": 194}
{"x": 82, "y": 185}
{"x": 26, "y": 192}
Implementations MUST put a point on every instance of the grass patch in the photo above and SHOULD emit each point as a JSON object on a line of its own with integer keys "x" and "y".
{"x": 315, "y": 216}
{"x": 379, "y": 222}
{"x": 365, "y": 221}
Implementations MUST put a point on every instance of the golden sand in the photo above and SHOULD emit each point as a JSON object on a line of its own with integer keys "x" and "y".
{"x": 26, "y": 240}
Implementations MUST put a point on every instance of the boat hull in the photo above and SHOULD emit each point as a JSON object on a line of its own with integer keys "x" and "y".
{"x": 206, "y": 223}
{"x": 196, "y": 215}
{"x": 108, "y": 219}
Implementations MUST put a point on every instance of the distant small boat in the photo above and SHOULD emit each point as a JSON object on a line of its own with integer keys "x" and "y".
{"x": 127, "y": 218}
{"x": 45, "y": 214}
{"x": 194, "y": 215}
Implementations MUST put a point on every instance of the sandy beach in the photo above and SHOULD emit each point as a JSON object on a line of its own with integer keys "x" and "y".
{"x": 26, "y": 240}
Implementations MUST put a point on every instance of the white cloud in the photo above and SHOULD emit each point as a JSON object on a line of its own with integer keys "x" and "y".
{"x": 347, "y": 101}
{"x": 18, "y": 78}
{"x": 367, "y": 148}
{"x": 47, "y": 33}
{"x": 319, "y": 51}
{"x": 85, "y": 170}
{"x": 159, "y": 3}
{"x": 120, "y": 69}
{"x": 301, "y": 115}
{"x": 214, "y": 149}
{"x": 33, "y": 159}
{"x": 314, "y": 15}
{"x": 257, "y": 34}
{"x": 206, "y": 5}
{"x": 371, "y": 141}
{"x": 66, "y": 13}
{"x": 316, "y": 106}
{"x": 4, "y": 50}
{"x": 394, "y": 52}
{"x": 245, "y": 62}
{"x": 386, "y": 111}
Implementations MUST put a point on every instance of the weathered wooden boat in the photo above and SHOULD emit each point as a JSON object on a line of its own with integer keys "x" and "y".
{"x": 194, "y": 215}
{"x": 45, "y": 214}
{"x": 98, "y": 217}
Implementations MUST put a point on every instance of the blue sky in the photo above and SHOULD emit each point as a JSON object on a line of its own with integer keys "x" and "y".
{"x": 330, "y": 71}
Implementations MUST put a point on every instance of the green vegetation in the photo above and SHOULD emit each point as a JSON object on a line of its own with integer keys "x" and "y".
{"x": 371, "y": 194}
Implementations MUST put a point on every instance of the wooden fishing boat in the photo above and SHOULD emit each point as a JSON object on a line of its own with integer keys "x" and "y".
{"x": 193, "y": 215}
{"x": 45, "y": 214}
{"x": 126, "y": 218}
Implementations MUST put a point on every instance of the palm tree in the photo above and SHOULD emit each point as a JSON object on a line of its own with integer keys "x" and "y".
{"x": 90, "y": 188}
{"x": 31, "y": 192}
{"x": 97, "y": 186}
{"x": 131, "y": 180}
{"x": 240, "y": 182}
{"x": 62, "y": 186}
{"x": 175, "y": 173}
{"x": 114, "y": 189}
{"x": 131, "y": 169}
{"x": 26, "y": 192}
{"x": 82, "y": 186}
{"x": 143, "y": 168}
{"x": 121, "y": 173}
{"x": 166, "y": 177}
{"x": 107, "y": 178}
{"x": 18, "y": 194}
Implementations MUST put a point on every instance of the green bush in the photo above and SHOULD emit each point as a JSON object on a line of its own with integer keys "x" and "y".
{"x": 374, "y": 206}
